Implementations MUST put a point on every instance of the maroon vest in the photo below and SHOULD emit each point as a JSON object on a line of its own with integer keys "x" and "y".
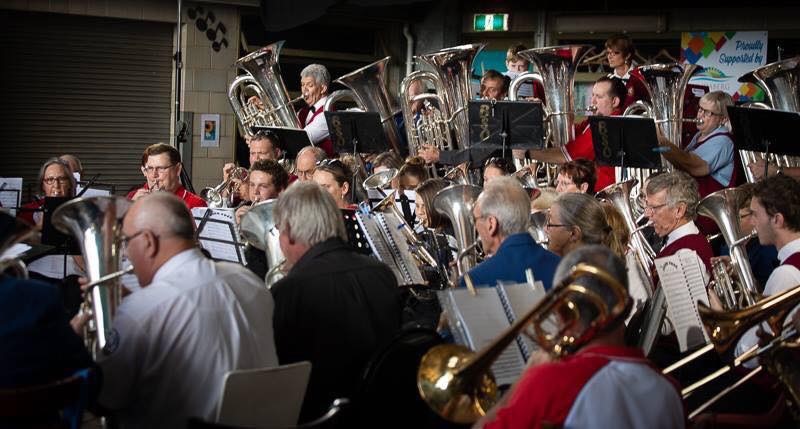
{"x": 793, "y": 260}
{"x": 326, "y": 144}
{"x": 707, "y": 185}
{"x": 696, "y": 242}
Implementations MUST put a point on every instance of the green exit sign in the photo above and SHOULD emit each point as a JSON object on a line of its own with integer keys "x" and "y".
{"x": 490, "y": 22}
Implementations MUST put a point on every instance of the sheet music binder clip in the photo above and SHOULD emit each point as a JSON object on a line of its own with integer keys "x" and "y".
{"x": 290, "y": 140}
{"x": 625, "y": 142}
{"x": 356, "y": 132}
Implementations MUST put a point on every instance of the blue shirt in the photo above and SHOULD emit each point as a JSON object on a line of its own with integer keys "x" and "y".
{"x": 516, "y": 253}
{"x": 717, "y": 152}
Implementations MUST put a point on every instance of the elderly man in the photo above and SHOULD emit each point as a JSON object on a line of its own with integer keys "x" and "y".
{"x": 55, "y": 180}
{"x": 494, "y": 86}
{"x": 334, "y": 307}
{"x": 314, "y": 82}
{"x": 607, "y": 98}
{"x": 603, "y": 383}
{"x": 192, "y": 321}
{"x": 161, "y": 167}
{"x": 501, "y": 218}
{"x": 776, "y": 214}
{"x": 671, "y": 205}
{"x": 709, "y": 156}
{"x": 306, "y": 162}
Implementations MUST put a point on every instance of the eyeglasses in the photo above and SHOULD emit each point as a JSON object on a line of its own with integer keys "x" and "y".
{"x": 652, "y": 209}
{"x": 555, "y": 225}
{"x": 53, "y": 180}
{"x": 158, "y": 169}
{"x": 125, "y": 240}
{"x": 704, "y": 112}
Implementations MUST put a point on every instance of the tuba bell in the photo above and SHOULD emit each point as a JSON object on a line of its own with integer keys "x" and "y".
{"x": 722, "y": 208}
{"x": 257, "y": 228}
{"x": 96, "y": 224}
{"x": 379, "y": 181}
{"x": 266, "y": 81}
{"x": 457, "y": 383}
{"x": 456, "y": 203}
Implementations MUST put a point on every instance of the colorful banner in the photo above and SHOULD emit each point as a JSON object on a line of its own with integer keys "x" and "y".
{"x": 725, "y": 56}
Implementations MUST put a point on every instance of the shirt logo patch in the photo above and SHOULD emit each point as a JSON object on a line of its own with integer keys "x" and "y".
{"x": 112, "y": 341}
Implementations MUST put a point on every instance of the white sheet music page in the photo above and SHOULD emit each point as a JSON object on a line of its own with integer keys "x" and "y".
{"x": 481, "y": 318}
{"x": 523, "y": 297}
{"x": 10, "y": 193}
{"x": 380, "y": 248}
{"x": 218, "y": 234}
{"x": 683, "y": 277}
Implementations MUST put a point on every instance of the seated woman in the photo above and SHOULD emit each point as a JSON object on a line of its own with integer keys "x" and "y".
{"x": 411, "y": 174}
{"x": 496, "y": 167}
{"x": 578, "y": 175}
{"x": 335, "y": 176}
{"x": 576, "y": 220}
{"x": 55, "y": 180}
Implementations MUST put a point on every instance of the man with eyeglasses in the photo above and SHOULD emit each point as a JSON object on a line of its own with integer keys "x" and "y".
{"x": 192, "y": 321}
{"x": 501, "y": 219}
{"x": 161, "y": 167}
{"x": 709, "y": 157}
{"x": 306, "y": 162}
{"x": 671, "y": 206}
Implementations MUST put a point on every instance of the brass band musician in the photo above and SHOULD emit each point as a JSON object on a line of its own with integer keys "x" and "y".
{"x": 314, "y": 82}
{"x": 161, "y": 167}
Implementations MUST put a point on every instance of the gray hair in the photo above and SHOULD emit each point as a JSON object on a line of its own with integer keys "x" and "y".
{"x": 680, "y": 187}
{"x": 318, "y": 72}
{"x": 505, "y": 199}
{"x": 319, "y": 153}
{"x": 166, "y": 214}
{"x": 310, "y": 213}
{"x": 721, "y": 101}
{"x": 72, "y": 159}
{"x": 52, "y": 161}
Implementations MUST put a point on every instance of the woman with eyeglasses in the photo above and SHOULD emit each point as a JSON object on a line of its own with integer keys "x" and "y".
{"x": 578, "y": 176}
{"x": 579, "y": 219}
{"x": 335, "y": 177}
{"x": 619, "y": 54}
{"x": 55, "y": 180}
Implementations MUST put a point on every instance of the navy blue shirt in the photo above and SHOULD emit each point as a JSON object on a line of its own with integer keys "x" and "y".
{"x": 516, "y": 253}
{"x": 763, "y": 259}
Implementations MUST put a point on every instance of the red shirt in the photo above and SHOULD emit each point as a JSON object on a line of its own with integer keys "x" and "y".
{"x": 582, "y": 147}
{"x": 189, "y": 198}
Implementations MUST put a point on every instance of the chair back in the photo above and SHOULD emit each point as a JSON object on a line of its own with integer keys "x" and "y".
{"x": 264, "y": 397}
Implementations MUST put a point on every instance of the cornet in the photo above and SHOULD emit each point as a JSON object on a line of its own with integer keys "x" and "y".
{"x": 213, "y": 196}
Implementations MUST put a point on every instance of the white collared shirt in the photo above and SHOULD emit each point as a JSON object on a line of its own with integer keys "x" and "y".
{"x": 680, "y": 232}
{"x": 782, "y": 278}
{"x": 177, "y": 337}
{"x": 317, "y": 128}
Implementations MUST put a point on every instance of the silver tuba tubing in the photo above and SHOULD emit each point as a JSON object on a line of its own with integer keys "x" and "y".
{"x": 721, "y": 207}
{"x": 258, "y": 229}
{"x": 96, "y": 224}
{"x": 246, "y": 114}
{"x": 456, "y": 203}
{"x": 514, "y": 86}
{"x": 432, "y": 127}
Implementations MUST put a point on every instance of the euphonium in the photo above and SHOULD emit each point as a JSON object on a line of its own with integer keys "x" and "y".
{"x": 213, "y": 196}
{"x": 457, "y": 383}
{"x": 781, "y": 83}
{"x": 368, "y": 88}
{"x": 722, "y": 208}
{"x": 428, "y": 126}
{"x": 262, "y": 66}
{"x": 96, "y": 224}
{"x": 452, "y": 69}
{"x": 456, "y": 203}
{"x": 258, "y": 229}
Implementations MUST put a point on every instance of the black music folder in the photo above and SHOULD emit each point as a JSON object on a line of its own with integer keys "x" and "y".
{"x": 65, "y": 243}
{"x": 356, "y": 132}
{"x": 625, "y": 142}
{"x": 764, "y": 130}
{"x": 290, "y": 140}
{"x": 506, "y": 124}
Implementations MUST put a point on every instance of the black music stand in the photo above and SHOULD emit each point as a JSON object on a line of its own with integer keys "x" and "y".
{"x": 506, "y": 124}
{"x": 51, "y": 235}
{"x": 289, "y": 140}
{"x": 356, "y": 132}
{"x": 764, "y": 130}
{"x": 625, "y": 142}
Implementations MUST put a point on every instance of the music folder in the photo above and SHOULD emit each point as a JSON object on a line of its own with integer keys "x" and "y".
{"x": 765, "y": 130}
{"x": 290, "y": 140}
{"x": 352, "y": 131}
{"x": 625, "y": 142}
{"x": 64, "y": 243}
{"x": 506, "y": 124}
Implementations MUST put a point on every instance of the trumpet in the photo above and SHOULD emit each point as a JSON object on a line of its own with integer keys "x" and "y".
{"x": 457, "y": 383}
{"x": 213, "y": 196}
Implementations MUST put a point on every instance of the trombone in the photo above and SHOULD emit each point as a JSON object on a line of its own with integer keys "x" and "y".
{"x": 457, "y": 383}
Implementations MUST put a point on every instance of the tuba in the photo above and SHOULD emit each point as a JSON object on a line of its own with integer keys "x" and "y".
{"x": 264, "y": 78}
{"x": 781, "y": 82}
{"x": 456, "y": 203}
{"x": 96, "y": 224}
{"x": 452, "y": 69}
{"x": 257, "y": 228}
{"x": 368, "y": 89}
{"x": 457, "y": 383}
{"x": 721, "y": 207}
{"x": 514, "y": 86}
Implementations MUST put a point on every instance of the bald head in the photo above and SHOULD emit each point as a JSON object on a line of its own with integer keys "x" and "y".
{"x": 164, "y": 214}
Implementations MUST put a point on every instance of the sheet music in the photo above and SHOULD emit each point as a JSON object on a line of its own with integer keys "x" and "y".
{"x": 375, "y": 197}
{"x": 476, "y": 321}
{"x": 10, "y": 193}
{"x": 53, "y": 266}
{"x": 522, "y": 297}
{"x": 683, "y": 277}
{"x": 92, "y": 192}
{"x": 394, "y": 227}
{"x": 217, "y": 234}
{"x": 14, "y": 251}
{"x": 390, "y": 246}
